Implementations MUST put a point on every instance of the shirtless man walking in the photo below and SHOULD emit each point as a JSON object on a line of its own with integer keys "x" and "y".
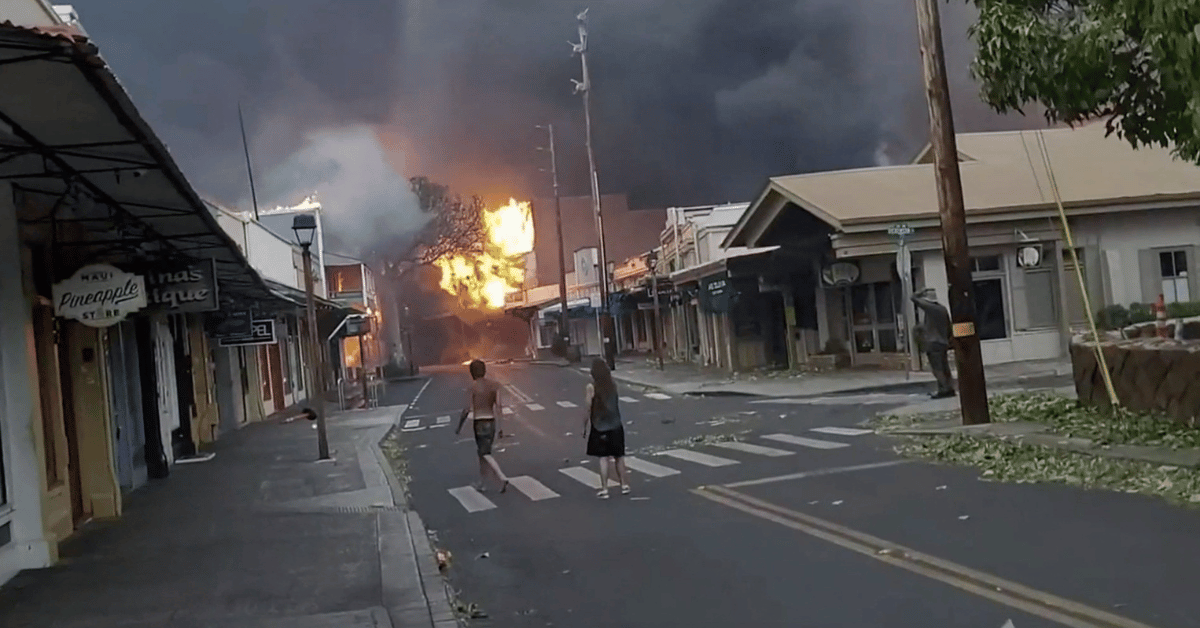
{"x": 483, "y": 399}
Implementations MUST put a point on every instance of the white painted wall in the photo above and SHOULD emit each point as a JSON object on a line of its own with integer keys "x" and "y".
{"x": 1122, "y": 235}
{"x": 273, "y": 257}
{"x": 19, "y": 417}
{"x": 28, "y": 13}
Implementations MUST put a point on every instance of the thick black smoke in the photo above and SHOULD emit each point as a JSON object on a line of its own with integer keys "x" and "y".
{"x": 694, "y": 101}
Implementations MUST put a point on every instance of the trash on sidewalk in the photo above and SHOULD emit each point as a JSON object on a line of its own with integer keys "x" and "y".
{"x": 443, "y": 559}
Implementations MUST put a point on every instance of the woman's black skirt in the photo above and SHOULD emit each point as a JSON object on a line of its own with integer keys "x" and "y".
{"x": 608, "y": 444}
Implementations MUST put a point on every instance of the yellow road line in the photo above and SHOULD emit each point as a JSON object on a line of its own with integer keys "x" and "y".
{"x": 1012, "y": 594}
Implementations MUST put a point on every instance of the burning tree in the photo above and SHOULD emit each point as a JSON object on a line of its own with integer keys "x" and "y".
{"x": 479, "y": 251}
{"x": 456, "y": 224}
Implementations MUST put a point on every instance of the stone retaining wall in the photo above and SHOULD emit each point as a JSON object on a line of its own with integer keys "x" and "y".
{"x": 1149, "y": 375}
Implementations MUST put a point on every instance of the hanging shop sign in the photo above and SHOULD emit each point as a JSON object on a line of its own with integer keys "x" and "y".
{"x": 1029, "y": 256}
{"x": 177, "y": 288}
{"x": 229, "y": 323}
{"x": 716, "y": 293}
{"x": 99, "y": 295}
{"x": 840, "y": 274}
{"x": 262, "y": 332}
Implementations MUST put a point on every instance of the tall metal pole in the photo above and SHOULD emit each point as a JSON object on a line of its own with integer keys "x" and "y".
{"x": 967, "y": 354}
{"x": 317, "y": 394}
{"x": 249, "y": 170}
{"x": 584, "y": 87}
{"x": 657, "y": 320}
{"x": 563, "y": 322}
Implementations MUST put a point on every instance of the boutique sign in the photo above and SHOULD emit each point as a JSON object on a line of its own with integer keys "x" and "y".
{"x": 183, "y": 287}
{"x": 99, "y": 295}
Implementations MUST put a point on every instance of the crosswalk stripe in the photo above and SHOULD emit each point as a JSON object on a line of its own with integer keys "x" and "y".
{"x": 471, "y": 499}
{"x": 751, "y": 448}
{"x": 507, "y": 410}
{"x": 411, "y": 423}
{"x": 413, "y": 429}
{"x": 842, "y": 431}
{"x": 531, "y": 488}
{"x": 535, "y": 406}
{"x": 629, "y": 400}
{"x": 586, "y": 477}
{"x": 649, "y": 468}
{"x": 659, "y": 396}
{"x": 567, "y": 404}
{"x": 443, "y": 420}
{"x": 805, "y": 442}
{"x": 697, "y": 457}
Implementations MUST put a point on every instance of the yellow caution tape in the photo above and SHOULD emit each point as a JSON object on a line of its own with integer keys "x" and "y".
{"x": 964, "y": 330}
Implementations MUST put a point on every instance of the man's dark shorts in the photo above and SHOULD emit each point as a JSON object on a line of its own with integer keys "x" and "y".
{"x": 485, "y": 435}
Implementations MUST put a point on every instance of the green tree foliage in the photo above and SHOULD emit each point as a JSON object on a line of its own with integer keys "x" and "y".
{"x": 1133, "y": 63}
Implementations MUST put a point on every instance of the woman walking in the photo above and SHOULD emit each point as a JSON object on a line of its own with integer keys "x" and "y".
{"x": 606, "y": 436}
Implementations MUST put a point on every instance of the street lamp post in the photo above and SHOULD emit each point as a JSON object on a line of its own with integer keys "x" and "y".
{"x": 652, "y": 262}
{"x": 584, "y": 87}
{"x": 305, "y": 226}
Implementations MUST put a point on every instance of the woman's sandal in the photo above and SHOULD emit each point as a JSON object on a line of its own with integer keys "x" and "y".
{"x": 602, "y": 493}
{"x": 625, "y": 489}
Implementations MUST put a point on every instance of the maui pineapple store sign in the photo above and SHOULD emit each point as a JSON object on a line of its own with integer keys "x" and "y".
{"x": 99, "y": 295}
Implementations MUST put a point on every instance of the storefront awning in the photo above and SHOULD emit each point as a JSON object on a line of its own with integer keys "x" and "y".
{"x": 571, "y": 305}
{"x": 69, "y": 131}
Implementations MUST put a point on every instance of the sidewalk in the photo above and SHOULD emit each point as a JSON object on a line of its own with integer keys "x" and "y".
{"x": 261, "y": 536}
{"x": 688, "y": 379}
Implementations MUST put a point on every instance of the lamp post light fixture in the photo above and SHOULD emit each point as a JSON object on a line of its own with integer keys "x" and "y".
{"x": 652, "y": 262}
{"x": 305, "y": 227}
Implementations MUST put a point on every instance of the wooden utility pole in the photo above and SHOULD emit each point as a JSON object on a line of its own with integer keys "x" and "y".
{"x": 972, "y": 388}
{"x": 564, "y": 329}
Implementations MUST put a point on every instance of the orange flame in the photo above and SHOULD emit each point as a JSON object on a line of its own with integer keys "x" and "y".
{"x": 483, "y": 280}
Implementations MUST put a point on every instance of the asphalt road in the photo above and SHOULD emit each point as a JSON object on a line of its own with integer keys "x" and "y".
{"x": 808, "y": 521}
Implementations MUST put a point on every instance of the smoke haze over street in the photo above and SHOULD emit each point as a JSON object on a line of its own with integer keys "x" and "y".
{"x": 694, "y": 102}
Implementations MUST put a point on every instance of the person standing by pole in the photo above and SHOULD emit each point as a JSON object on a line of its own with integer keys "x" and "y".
{"x": 934, "y": 339}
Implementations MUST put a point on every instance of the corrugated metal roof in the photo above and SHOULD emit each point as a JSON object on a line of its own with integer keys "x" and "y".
{"x": 65, "y": 32}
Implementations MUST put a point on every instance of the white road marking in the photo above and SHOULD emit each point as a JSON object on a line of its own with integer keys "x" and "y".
{"x": 697, "y": 457}
{"x": 411, "y": 423}
{"x": 658, "y": 396}
{"x": 531, "y": 488}
{"x": 629, "y": 400}
{"x": 840, "y": 400}
{"x": 535, "y": 406}
{"x": 818, "y": 472}
{"x": 413, "y": 429}
{"x": 586, "y": 477}
{"x": 566, "y": 404}
{"x": 649, "y": 468}
{"x": 471, "y": 499}
{"x": 506, "y": 410}
{"x": 751, "y": 448}
{"x": 842, "y": 431}
{"x": 443, "y": 420}
{"x": 805, "y": 442}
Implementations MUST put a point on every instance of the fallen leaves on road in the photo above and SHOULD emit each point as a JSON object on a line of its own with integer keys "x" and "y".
{"x": 1014, "y": 461}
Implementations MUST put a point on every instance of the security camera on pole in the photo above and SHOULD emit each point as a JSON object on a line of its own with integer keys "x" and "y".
{"x": 584, "y": 87}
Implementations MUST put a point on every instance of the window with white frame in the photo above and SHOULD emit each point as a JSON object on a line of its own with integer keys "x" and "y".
{"x": 987, "y": 278}
{"x": 1174, "y": 272}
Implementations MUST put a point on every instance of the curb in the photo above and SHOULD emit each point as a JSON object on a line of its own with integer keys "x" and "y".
{"x": 435, "y": 588}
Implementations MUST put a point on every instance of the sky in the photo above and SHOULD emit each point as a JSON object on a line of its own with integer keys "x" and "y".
{"x": 694, "y": 102}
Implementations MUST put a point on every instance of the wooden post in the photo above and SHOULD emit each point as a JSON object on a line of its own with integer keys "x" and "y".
{"x": 967, "y": 354}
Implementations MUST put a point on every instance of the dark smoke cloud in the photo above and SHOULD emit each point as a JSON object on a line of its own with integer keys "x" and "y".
{"x": 694, "y": 101}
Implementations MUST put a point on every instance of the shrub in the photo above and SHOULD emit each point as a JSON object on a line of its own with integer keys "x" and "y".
{"x": 1118, "y": 316}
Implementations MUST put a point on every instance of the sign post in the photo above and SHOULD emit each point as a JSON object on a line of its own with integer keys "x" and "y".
{"x": 904, "y": 270}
